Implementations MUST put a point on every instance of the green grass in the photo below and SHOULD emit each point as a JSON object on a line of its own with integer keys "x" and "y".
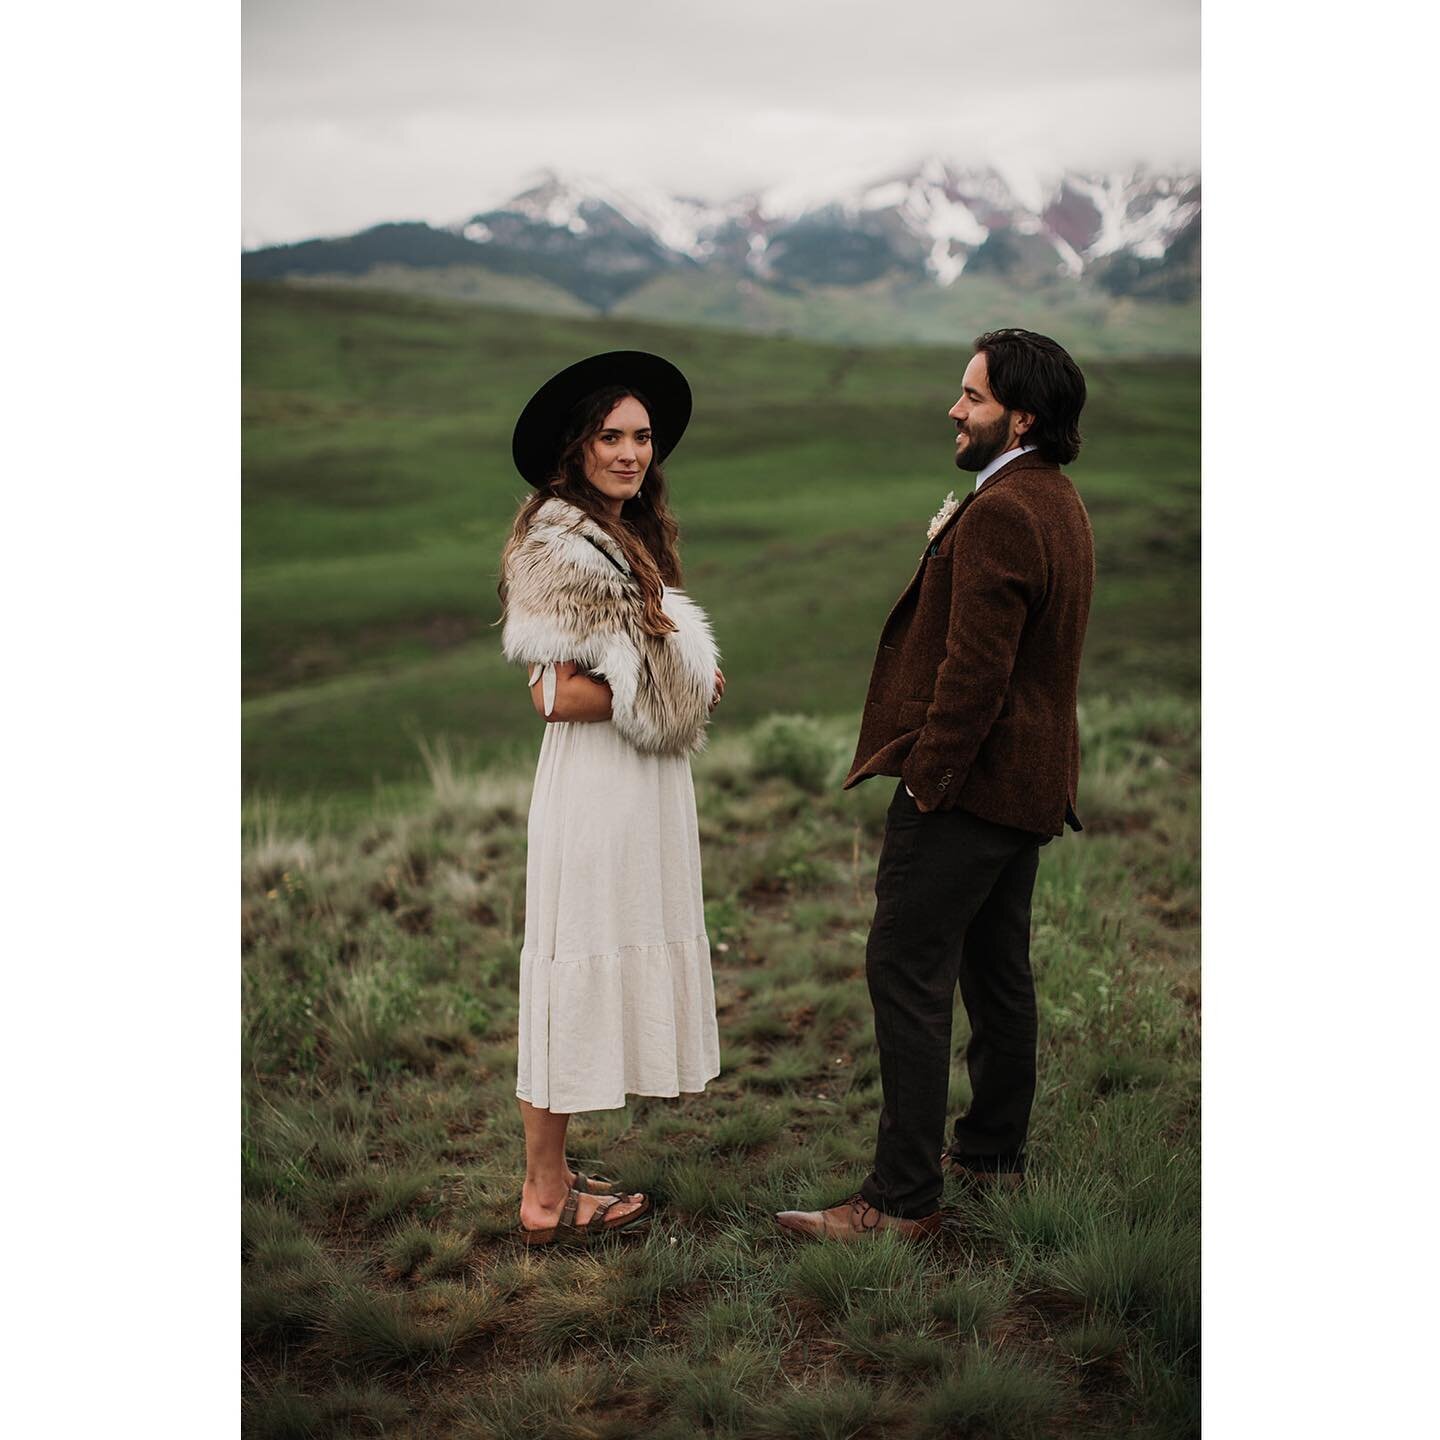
{"x": 886, "y": 311}
{"x": 382, "y": 1151}
{"x": 1081, "y": 317}
{"x": 378, "y": 489}
{"x": 388, "y": 762}
{"x": 994, "y": 1395}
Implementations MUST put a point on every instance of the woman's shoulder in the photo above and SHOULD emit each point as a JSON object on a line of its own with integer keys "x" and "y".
{"x": 554, "y": 519}
{"x": 562, "y": 536}
{"x": 558, "y": 514}
{"x": 558, "y": 519}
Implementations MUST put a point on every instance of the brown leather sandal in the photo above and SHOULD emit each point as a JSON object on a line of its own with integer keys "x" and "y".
{"x": 592, "y": 1184}
{"x": 566, "y": 1232}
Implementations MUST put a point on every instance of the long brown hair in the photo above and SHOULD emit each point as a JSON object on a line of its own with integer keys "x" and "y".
{"x": 645, "y": 532}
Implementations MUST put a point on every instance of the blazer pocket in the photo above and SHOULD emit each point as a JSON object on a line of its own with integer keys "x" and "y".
{"x": 911, "y": 715}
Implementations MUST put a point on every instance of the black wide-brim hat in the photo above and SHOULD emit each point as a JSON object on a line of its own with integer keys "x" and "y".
{"x": 540, "y": 430}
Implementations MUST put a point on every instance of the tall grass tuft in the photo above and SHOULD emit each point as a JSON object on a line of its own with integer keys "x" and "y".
{"x": 836, "y": 1277}
{"x": 991, "y": 1395}
{"x": 344, "y": 1410}
{"x": 1147, "y": 1274}
{"x": 289, "y": 1305}
{"x": 571, "y": 1305}
{"x": 461, "y": 789}
{"x": 284, "y": 1413}
{"x": 364, "y": 1026}
{"x": 971, "y": 1304}
{"x": 536, "y": 1403}
{"x": 377, "y": 1330}
{"x": 704, "y": 1189}
{"x": 747, "y": 1129}
{"x": 417, "y": 1250}
{"x": 717, "y": 1395}
{"x": 839, "y": 1410}
{"x": 270, "y": 849}
{"x": 735, "y": 1319}
{"x": 1094, "y": 1344}
{"x": 1168, "y": 1398}
{"x": 866, "y": 1338}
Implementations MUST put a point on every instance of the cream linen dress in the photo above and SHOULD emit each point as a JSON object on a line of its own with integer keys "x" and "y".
{"x": 616, "y": 995}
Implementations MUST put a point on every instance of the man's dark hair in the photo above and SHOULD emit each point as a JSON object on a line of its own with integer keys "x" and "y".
{"x": 1031, "y": 372}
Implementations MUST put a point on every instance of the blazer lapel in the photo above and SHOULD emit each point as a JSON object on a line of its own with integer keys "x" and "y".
{"x": 925, "y": 554}
{"x": 960, "y": 509}
{"x": 1030, "y": 461}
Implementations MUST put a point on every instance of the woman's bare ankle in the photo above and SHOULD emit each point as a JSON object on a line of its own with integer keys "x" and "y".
{"x": 547, "y": 1191}
{"x": 537, "y": 1207}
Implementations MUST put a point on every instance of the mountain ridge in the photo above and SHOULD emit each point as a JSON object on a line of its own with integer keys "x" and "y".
{"x": 1116, "y": 236}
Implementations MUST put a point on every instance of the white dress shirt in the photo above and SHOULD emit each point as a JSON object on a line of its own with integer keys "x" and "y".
{"x": 1000, "y": 460}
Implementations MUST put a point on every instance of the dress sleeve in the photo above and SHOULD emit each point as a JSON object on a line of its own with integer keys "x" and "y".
{"x": 547, "y": 690}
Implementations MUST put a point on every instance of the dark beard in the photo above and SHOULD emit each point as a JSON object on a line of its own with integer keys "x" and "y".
{"x": 984, "y": 446}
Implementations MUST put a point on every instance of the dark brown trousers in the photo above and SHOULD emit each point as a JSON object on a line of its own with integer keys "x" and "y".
{"x": 952, "y": 896}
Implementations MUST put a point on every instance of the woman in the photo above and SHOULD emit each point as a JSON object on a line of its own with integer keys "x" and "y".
{"x": 616, "y": 996}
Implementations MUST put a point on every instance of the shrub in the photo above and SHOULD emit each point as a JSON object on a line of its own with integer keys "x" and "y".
{"x": 798, "y": 749}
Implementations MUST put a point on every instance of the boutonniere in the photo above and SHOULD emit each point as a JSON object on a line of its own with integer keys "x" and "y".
{"x": 946, "y": 510}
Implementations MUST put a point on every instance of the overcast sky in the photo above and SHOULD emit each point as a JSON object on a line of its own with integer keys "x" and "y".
{"x": 358, "y": 111}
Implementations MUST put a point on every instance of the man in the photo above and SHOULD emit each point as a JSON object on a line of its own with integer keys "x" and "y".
{"x": 972, "y": 705}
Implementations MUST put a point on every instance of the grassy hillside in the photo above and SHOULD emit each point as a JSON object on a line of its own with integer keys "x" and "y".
{"x": 457, "y": 282}
{"x": 378, "y": 489}
{"x": 385, "y": 1292}
{"x": 1083, "y": 317}
{"x": 384, "y": 1289}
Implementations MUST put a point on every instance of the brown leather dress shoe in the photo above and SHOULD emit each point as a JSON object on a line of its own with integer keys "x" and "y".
{"x": 855, "y": 1219}
{"x": 980, "y": 1179}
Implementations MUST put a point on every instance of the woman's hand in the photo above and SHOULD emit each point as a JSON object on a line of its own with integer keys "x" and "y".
{"x": 577, "y": 696}
{"x": 719, "y": 688}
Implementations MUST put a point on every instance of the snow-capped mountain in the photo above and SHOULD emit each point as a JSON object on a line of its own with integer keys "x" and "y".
{"x": 934, "y": 217}
{"x": 578, "y": 205}
{"x": 1140, "y": 215}
{"x": 935, "y": 222}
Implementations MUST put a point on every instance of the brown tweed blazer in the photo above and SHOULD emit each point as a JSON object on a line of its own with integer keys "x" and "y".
{"x": 972, "y": 698}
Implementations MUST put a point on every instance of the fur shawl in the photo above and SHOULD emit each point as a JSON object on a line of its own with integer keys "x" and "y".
{"x": 569, "y": 595}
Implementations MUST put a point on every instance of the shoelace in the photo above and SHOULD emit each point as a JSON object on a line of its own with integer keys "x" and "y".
{"x": 859, "y": 1204}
